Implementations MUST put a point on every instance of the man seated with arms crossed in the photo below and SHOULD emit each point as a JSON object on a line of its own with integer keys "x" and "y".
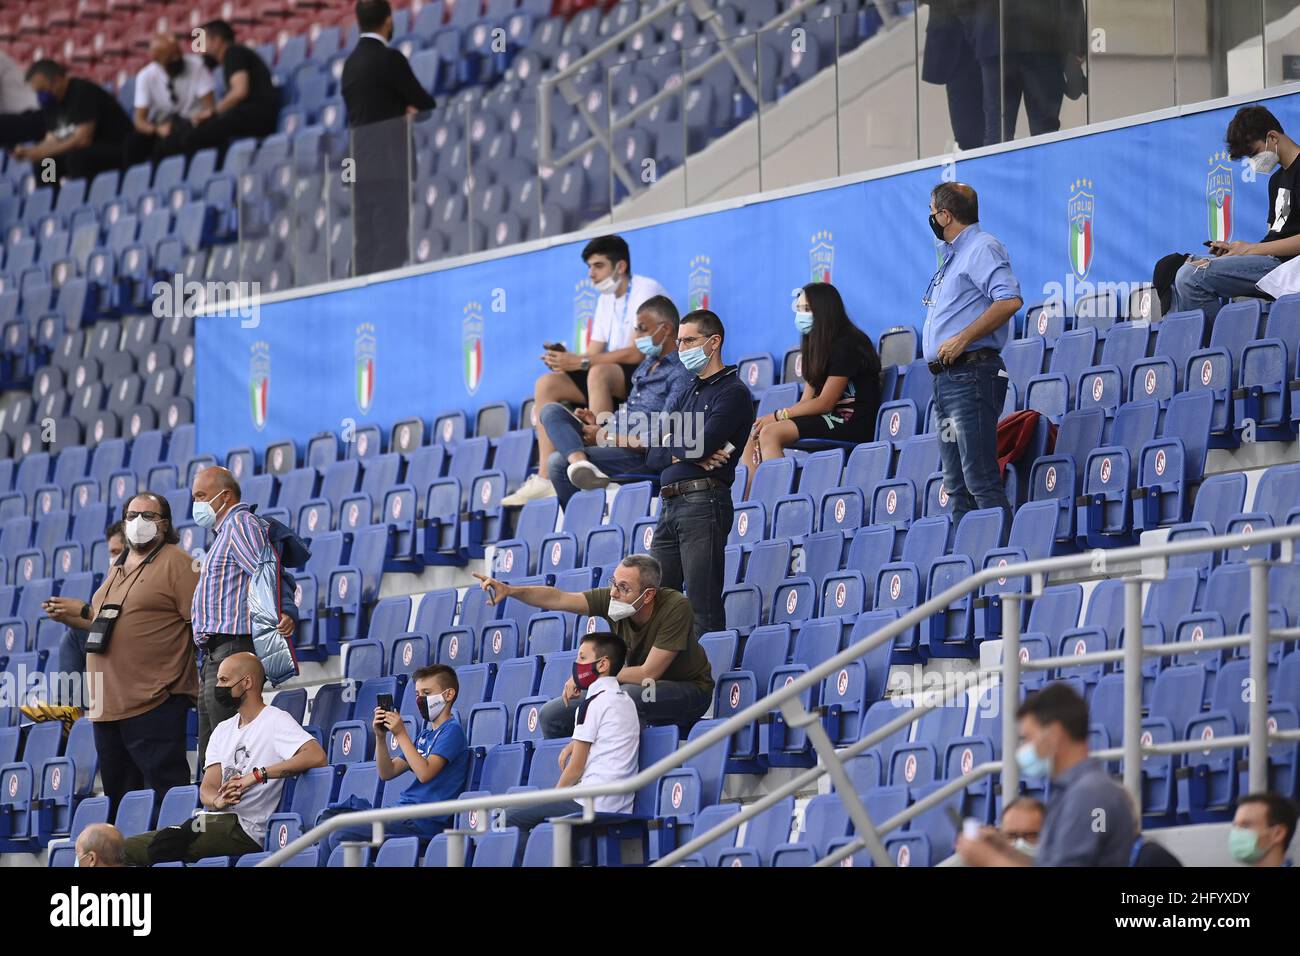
{"x": 588, "y": 453}
{"x": 249, "y": 755}
{"x": 438, "y": 758}
{"x": 606, "y": 737}
{"x": 666, "y": 673}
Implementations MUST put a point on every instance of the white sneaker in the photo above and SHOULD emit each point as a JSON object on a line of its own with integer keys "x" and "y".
{"x": 535, "y": 487}
{"x": 584, "y": 475}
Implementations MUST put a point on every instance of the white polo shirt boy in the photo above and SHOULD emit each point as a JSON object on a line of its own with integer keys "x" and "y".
{"x": 607, "y": 719}
{"x": 615, "y": 318}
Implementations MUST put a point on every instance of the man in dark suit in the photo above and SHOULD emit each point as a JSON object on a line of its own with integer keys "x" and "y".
{"x": 380, "y": 91}
{"x": 949, "y": 60}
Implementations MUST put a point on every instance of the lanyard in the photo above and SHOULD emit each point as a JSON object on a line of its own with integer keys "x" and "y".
{"x": 134, "y": 576}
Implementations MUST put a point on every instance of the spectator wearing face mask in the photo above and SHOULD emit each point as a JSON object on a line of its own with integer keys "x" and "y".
{"x": 1021, "y": 827}
{"x": 223, "y": 622}
{"x": 170, "y": 90}
{"x": 606, "y": 736}
{"x": 1262, "y": 829}
{"x": 142, "y": 679}
{"x": 438, "y": 758}
{"x": 100, "y": 845}
{"x": 666, "y": 672}
{"x": 1089, "y": 819}
{"x": 68, "y": 612}
{"x": 841, "y": 373}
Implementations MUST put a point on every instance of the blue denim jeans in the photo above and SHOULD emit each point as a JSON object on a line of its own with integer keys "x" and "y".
{"x": 1202, "y": 286}
{"x": 967, "y": 402}
{"x": 72, "y": 660}
{"x": 564, "y": 431}
{"x": 612, "y": 460}
{"x": 688, "y": 544}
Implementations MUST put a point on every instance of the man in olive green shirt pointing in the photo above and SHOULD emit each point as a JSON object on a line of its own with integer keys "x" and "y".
{"x": 667, "y": 673}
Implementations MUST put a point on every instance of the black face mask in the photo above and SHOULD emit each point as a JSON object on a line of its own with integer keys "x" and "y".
{"x": 225, "y": 698}
{"x": 936, "y": 228}
{"x": 176, "y": 67}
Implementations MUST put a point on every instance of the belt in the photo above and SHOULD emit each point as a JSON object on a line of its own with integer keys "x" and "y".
{"x": 973, "y": 356}
{"x": 686, "y": 487}
{"x": 215, "y": 641}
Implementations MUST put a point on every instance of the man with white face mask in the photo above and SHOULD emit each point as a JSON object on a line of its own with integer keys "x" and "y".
{"x": 667, "y": 673}
{"x": 1234, "y": 267}
{"x": 142, "y": 678}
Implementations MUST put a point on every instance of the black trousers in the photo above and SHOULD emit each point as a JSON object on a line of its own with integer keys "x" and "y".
{"x": 237, "y": 122}
{"x": 16, "y": 128}
{"x": 212, "y": 713}
{"x": 147, "y": 751}
{"x": 88, "y": 162}
{"x": 381, "y": 197}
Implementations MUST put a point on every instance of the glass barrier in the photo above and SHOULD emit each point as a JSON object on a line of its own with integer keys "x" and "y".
{"x": 672, "y": 116}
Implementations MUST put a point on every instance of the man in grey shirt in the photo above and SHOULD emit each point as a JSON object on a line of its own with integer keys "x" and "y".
{"x": 1089, "y": 820}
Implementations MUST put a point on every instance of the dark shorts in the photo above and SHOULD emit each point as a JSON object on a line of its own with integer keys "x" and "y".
{"x": 833, "y": 427}
{"x": 580, "y": 379}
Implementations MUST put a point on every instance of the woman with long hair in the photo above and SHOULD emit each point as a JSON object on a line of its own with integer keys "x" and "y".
{"x": 841, "y": 373}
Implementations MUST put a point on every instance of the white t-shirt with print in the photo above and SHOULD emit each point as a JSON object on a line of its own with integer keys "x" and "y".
{"x": 613, "y": 729}
{"x": 614, "y": 318}
{"x": 269, "y": 738}
{"x": 154, "y": 95}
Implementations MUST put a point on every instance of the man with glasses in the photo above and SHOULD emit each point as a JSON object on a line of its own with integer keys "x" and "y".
{"x": 666, "y": 672}
{"x": 140, "y": 656}
{"x": 710, "y": 424}
{"x": 589, "y": 452}
{"x": 170, "y": 90}
{"x": 970, "y": 299}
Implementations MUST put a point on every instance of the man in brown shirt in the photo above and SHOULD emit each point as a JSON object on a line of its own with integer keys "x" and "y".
{"x": 144, "y": 682}
{"x": 667, "y": 672}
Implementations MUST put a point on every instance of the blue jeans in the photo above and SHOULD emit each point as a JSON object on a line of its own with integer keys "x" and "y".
{"x": 72, "y": 660}
{"x": 423, "y": 829}
{"x": 564, "y": 431}
{"x": 1201, "y": 287}
{"x": 688, "y": 544}
{"x": 613, "y": 461}
{"x": 674, "y": 702}
{"x": 967, "y": 402}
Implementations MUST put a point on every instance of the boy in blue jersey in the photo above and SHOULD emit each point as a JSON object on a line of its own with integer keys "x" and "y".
{"x": 438, "y": 757}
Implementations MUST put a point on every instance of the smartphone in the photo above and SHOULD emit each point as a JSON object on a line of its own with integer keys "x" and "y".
{"x": 728, "y": 448}
{"x": 1207, "y": 242}
{"x": 384, "y": 702}
{"x": 554, "y": 346}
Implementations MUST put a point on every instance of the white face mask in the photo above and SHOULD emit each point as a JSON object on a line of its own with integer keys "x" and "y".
{"x": 1264, "y": 162}
{"x": 1024, "y": 846}
{"x": 140, "y": 531}
{"x": 608, "y": 284}
{"x": 621, "y": 610}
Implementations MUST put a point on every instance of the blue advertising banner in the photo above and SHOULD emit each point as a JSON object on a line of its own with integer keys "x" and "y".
{"x": 1095, "y": 208}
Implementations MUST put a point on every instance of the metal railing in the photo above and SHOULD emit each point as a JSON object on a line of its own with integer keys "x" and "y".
{"x": 1154, "y": 558}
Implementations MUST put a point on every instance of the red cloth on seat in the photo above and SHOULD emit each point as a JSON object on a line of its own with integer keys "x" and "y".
{"x": 1016, "y": 434}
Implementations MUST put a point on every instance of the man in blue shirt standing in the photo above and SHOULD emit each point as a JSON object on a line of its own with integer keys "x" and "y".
{"x": 708, "y": 425}
{"x": 970, "y": 299}
{"x": 438, "y": 757}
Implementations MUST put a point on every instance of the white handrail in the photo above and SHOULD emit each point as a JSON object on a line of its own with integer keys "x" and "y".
{"x": 787, "y": 697}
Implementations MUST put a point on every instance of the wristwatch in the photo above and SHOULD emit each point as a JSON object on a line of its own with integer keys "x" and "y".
{"x": 586, "y": 363}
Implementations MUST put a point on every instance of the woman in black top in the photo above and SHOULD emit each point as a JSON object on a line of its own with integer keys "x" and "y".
{"x": 841, "y": 373}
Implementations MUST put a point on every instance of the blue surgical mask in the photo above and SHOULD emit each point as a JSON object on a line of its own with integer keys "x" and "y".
{"x": 203, "y": 513}
{"x": 45, "y": 99}
{"x": 694, "y": 359}
{"x": 1032, "y": 763}
{"x": 804, "y": 321}
{"x": 646, "y": 343}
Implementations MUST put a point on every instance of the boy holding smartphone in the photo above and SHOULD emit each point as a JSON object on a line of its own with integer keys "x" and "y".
{"x": 438, "y": 757}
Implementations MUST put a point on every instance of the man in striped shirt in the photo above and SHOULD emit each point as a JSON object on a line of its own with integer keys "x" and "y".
{"x": 220, "y": 615}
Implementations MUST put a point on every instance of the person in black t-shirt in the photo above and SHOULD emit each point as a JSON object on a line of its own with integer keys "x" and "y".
{"x": 1235, "y": 267}
{"x": 251, "y": 105}
{"x": 86, "y": 128}
{"x": 841, "y": 373}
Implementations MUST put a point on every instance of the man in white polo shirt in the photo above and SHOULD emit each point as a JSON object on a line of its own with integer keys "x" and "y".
{"x": 601, "y": 374}
{"x": 169, "y": 90}
{"x": 606, "y": 736}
